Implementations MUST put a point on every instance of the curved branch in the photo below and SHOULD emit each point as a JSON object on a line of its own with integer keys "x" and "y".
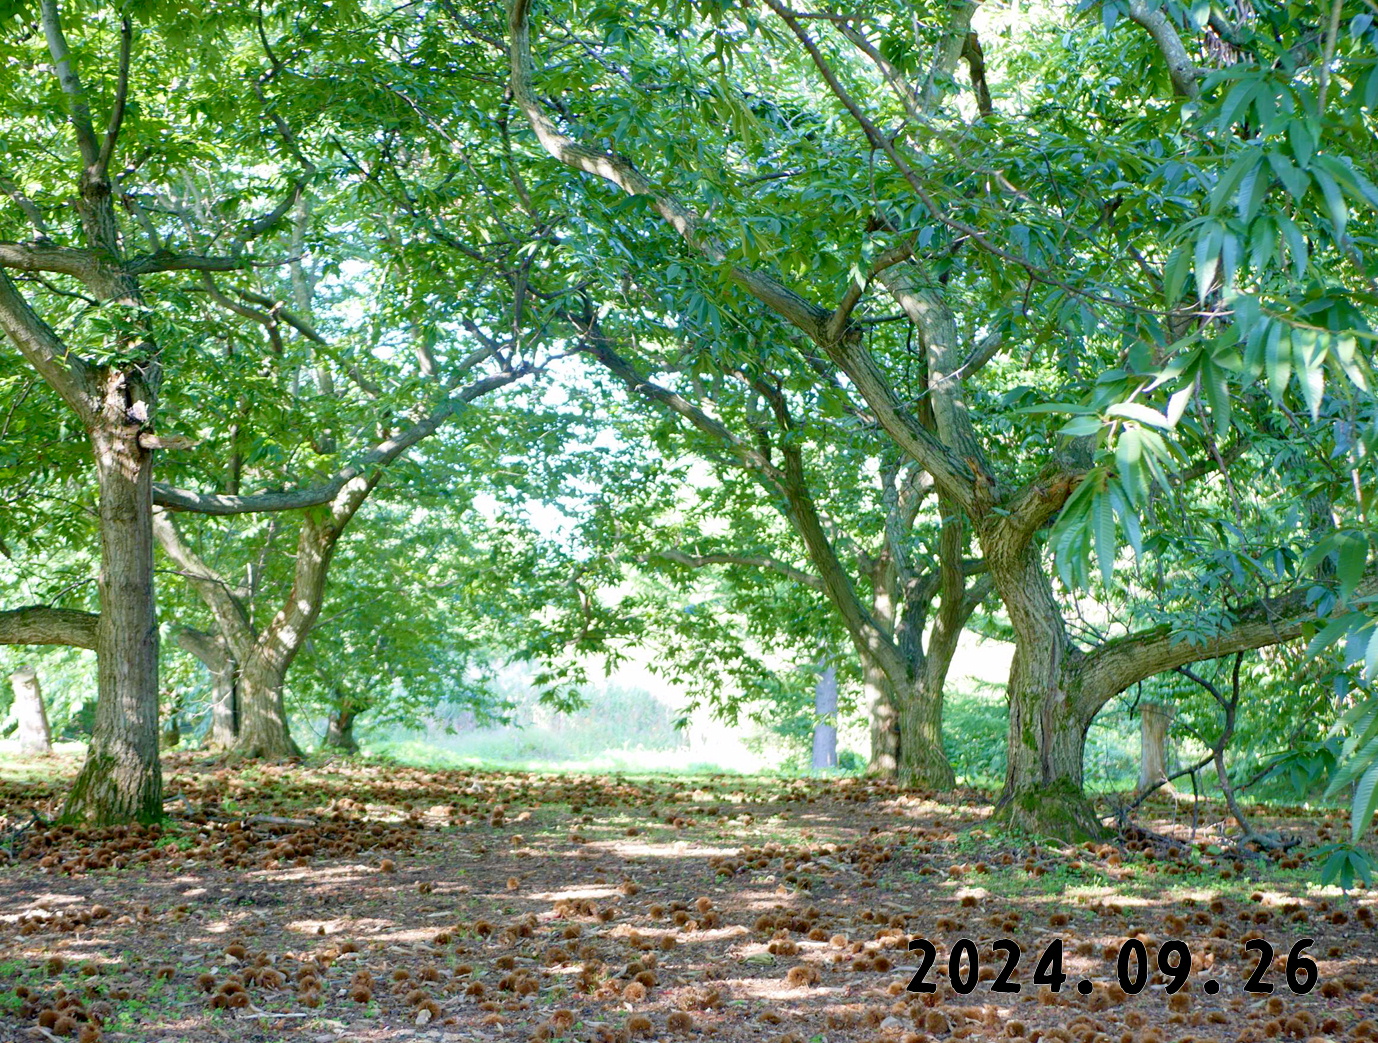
{"x": 70, "y": 82}
{"x": 205, "y": 647}
{"x": 1180, "y": 68}
{"x": 809, "y": 318}
{"x": 44, "y": 350}
{"x": 112, "y": 129}
{"x": 374, "y": 460}
{"x": 816, "y": 322}
{"x": 1119, "y": 663}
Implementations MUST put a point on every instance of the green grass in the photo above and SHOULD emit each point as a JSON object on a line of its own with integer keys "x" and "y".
{"x": 504, "y": 756}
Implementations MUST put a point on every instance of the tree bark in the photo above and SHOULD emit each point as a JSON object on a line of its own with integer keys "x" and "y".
{"x": 923, "y": 762}
{"x": 224, "y": 730}
{"x": 825, "y": 731}
{"x": 41, "y": 625}
{"x": 1154, "y": 719}
{"x": 1047, "y": 730}
{"x": 885, "y": 724}
{"x": 122, "y": 780}
{"x": 263, "y": 730}
{"x": 339, "y": 730}
{"x": 214, "y": 654}
{"x": 34, "y": 736}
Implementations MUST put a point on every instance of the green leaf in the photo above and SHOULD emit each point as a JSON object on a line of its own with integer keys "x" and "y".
{"x": 1352, "y": 557}
{"x": 1140, "y": 413}
{"x": 1334, "y": 200}
{"x": 1263, "y": 237}
{"x": 1230, "y": 182}
{"x": 1365, "y": 802}
{"x": 1296, "y": 245}
{"x": 1081, "y": 426}
{"x": 1293, "y": 180}
{"x": 1104, "y": 517}
{"x": 1177, "y": 404}
{"x": 1175, "y": 277}
{"x": 1279, "y": 361}
{"x": 1237, "y": 101}
{"x": 1207, "y": 259}
{"x": 1327, "y": 636}
{"x": 1253, "y": 189}
{"x": 1213, "y": 379}
{"x": 1308, "y": 354}
{"x": 1303, "y": 139}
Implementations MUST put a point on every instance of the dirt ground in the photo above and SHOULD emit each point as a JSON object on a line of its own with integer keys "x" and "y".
{"x": 343, "y": 901}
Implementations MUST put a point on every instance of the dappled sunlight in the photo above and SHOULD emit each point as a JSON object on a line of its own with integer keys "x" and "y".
{"x": 636, "y": 907}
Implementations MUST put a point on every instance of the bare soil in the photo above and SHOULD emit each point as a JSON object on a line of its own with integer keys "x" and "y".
{"x": 365, "y": 902}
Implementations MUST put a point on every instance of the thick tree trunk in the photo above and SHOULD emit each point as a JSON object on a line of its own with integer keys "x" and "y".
{"x": 1047, "y": 731}
{"x": 923, "y": 762}
{"x": 122, "y": 779}
{"x": 339, "y": 730}
{"x": 1154, "y": 719}
{"x": 29, "y": 713}
{"x": 262, "y": 714}
{"x": 825, "y": 731}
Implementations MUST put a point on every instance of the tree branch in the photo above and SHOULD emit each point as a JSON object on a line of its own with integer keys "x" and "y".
{"x": 25, "y": 204}
{"x": 67, "y": 374}
{"x": 229, "y": 611}
{"x": 1180, "y": 68}
{"x": 167, "y": 261}
{"x": 814, "y": 321}
{"x": 205, "y": 647}
{"x": 41, "y": 625}
{"x": 112, "y": 130}
{"x": 47, "y": 257}
{"x": 809, "y": 318}
{"x": 377, "y": 458}
{"x": 761, "y": 561}
{"x": 1122, "y": 661}
{"x": 70, "y": 83}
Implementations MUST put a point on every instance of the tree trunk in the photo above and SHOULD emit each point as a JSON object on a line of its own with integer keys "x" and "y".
{"x": 122, "y": 779}
{"x": 262, "y": 714}
{"x": 214, "y": 653}
{"x": 224, "y": 731}
{"x": 923, "y": 762}
{"x": 1154, "y": 719}
{"x": 825, "y": 731}
{"x": 339, "y": 730}
{"x": 885, "y": 733}
{"x": 1047, "y": 733}
{"x": 34, "y": 736}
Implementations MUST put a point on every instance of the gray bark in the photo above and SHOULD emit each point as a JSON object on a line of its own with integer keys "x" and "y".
{"x": 1154, "y": 719}
{"x": 30, "y": 714}
{"x": 339, "y": 730}
{"x": 825, "y": 731}
{"x": 215, "y": 655}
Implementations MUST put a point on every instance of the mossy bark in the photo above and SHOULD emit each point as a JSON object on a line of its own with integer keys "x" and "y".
{"x": 923, "y": 762}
